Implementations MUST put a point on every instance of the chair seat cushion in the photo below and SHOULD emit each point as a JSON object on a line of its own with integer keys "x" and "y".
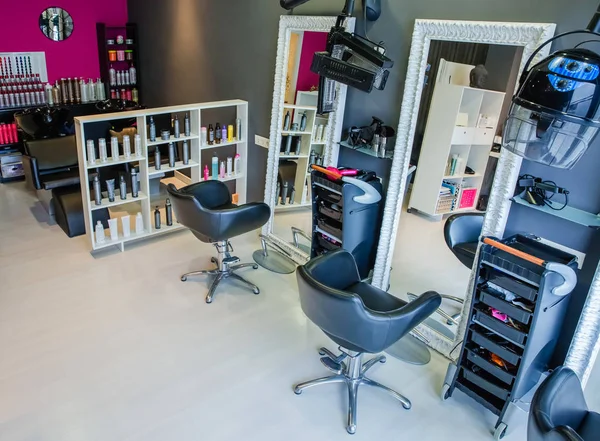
{"x": 376, "y": 299}
{"x": 590, "y": 428}
{"x": 466, "y": 252}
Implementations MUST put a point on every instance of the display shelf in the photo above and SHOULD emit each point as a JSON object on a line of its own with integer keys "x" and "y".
{"x": 122, "y": 160}
{"x": 289, "y": 207}
{"x": 106, "y": 204}
{"x": 232, "y": 178}
{"x": 495, "y": 154}
{"x": 223, "y": 144}
{"x": 148, "y": 176}
{"x": 172, "y": 139}
{"x": 297, "y": 107}
{"x": 293, "y": 156}
{"x": 165, "y": 169}
{"x": 367, "y": 151}
{"x": 568, "y": 213}
{"x": 318, "y": 143}
{"x": 295, "y": 133}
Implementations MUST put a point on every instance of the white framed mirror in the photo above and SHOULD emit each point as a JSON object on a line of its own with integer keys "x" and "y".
{"x": 448, "y": 125}
{"x": 298, "y": 134}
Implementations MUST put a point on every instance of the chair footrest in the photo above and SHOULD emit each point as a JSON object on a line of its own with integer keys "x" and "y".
{"x": 231, "y": 260}
{"x": 332, "y": 365}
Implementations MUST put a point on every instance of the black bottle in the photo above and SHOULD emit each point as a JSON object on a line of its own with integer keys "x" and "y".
{"x": 157, "y": 218}
{"x": 211, "y": 135}
{"x": 169, "y": 211}
{"x": 284, "y": 193}
{"x": 218, "y": 133}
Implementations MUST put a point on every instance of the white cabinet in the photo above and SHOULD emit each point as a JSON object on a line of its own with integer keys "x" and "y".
{"x": 454, "y": 158}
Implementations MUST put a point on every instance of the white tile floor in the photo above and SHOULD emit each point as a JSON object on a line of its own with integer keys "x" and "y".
{"x": 115, "y": 347}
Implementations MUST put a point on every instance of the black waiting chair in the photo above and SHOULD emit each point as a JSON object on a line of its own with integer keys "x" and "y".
{"x": 462, "y": 232}
{"x": 358, "y": 317}
{"x": 206, "y": 209}
{"x": 559, "y": 411}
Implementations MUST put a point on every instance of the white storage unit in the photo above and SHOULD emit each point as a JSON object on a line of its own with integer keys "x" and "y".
{"x": 310, "y": 141}
{"x": 460, "y": 132}
{"x": 146, "y": 201}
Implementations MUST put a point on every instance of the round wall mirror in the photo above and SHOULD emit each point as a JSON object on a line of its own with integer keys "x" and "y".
{"x": 56, "y": 24}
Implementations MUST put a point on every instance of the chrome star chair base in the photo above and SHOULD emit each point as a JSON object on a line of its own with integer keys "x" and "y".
{"x": 226, "y": 265}
{"x": 349, "y": 368}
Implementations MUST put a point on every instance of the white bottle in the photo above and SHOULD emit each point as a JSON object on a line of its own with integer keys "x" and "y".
{"x": 126, "y": 222}
{"x": 126, "y": 78}
{"x": 139, "y": 224}
{"x": 100, "y": 237}
{"x": 113, "y": 224}
{"x": 119, "y": 78}
{"x": 132, "y": 75}
{"x": 85, "y": 95}
{"x": 91, "y": 90}
{"x": 229, "y": 167}
{"x": 100, "y": 92}
{"x": 112, "y": 76}
{"x": 237, "y": 164}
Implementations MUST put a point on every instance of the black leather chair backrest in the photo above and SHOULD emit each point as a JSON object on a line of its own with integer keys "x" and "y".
{"x": 53, "y": 153}
{"x": 325, "y": 299}
{"x": 558, "y": 407}
{"x": 463, "y": 228}
{"x": 193, "y": 206}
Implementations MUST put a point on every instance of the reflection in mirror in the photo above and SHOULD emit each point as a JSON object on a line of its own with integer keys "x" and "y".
{"x": 56, "y": 24}
{"x": 457, "y": 143}
{"x": 302, "y": 142}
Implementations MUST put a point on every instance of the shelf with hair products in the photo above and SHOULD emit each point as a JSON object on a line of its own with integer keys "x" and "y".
{"x": 153, "y": 163}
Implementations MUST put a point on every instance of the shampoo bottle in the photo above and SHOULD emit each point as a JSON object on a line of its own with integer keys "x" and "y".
{"x": 237, "y": 164}
{"x": 206, "y": 173}
{"x": 218, "y": 133}
{"x": 229, "y": 167}
{"x": 222, "y": 170}
{"x": 224, "y": 133}
{"x": 215, "y": 166}
{"x": 211, "y": 135}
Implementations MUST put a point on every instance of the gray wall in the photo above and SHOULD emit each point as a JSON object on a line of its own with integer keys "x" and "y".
{"x": 198, "y": 50}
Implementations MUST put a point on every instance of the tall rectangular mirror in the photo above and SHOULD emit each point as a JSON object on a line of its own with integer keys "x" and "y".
{"x": 299, "y": 136}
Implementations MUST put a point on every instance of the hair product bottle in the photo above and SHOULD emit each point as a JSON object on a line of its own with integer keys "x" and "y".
{"x": 126, "y": 224}
{"x": 169, "y": 211}
{"x": 229, "y": 167}
{"x": 230, "y": 133}
{"x": 206, "y": 173}
{"x": 152, "y": 130}
{"x": 224, "y": 134}
{"x": 110, "y": 187}
{"x": 103, "y": 151}
{"x": 215, "y": 166}
{"x": 126, "y": 146}
{"x": 186, "y": 153}
{"x": 113, "y": 225}
{"x": 100, "y": 237}
{"x": 237, "y": 164}
{"x": 122, "y": 187}
{"x": 157, "y": 158}
{"x": 211, "y": 135}
{"x": 139, "y": 223}
{"x": 303, "y": 122}
{"x": 138, "y": 144}
{"x": 157, "y": 218}
{"x": 91, "y": 151}
{"x": 286, "y": 121}
{"x": 134, "y": 183}
{"x": 284, "y": 193}
{"x": 112, "y": 76}
{"x": 171, "y": 154}
{"x": 186, "y": 125}
{"x": 132, "y": 75}
{"x": 97, "y": 191}
{"x": 238, "y": 129}
{"x": 222, "y": 170}
{"x": 114, "y": 148}
{"x": 176, "y": 127}
{"x": 203, "y": 136}
{"x": 218, "y": 133}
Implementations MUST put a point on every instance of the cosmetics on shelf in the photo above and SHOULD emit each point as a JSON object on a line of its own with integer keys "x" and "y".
{"x": 221, "y": 133}
{"x": 224, "y": 169}
{"x": 101, "y": 156}
{"x": 8, "y": 134}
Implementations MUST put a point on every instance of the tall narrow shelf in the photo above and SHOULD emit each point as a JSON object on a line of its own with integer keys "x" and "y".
{"x": 146, "y": 201}
{"x": 442, "y": 184}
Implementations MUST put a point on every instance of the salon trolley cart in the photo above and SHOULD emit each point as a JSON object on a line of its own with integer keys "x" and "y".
{"x": 347, "y": 214}
{"x": 519, "y": 303}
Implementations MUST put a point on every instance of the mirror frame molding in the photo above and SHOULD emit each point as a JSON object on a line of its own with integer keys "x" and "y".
{"x": 586, "y": 341}
{"x": 287, "y": 25}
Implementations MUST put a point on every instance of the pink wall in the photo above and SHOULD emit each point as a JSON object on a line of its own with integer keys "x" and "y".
{"x": 75, "y": 57}
{"x": 311, "y": 43}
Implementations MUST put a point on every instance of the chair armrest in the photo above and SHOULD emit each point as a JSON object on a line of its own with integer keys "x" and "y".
{"x": 564, "y": 433}
{"x": 240, "y": 220}
{"x": 32, "y": 173}
{"x": 418, "y": 310}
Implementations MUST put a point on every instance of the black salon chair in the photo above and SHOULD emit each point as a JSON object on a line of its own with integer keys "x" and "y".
{"x": 51, "y": 163}
{"x": 206, "y": 209}
{"x": 559, "y": 411}
{"x": 462, "y": 232}
{"x": 359, "y": 318}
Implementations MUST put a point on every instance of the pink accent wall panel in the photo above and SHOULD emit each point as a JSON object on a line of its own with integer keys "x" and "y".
{"x": 77, "y": 56}
{"x": 312, "y": 42}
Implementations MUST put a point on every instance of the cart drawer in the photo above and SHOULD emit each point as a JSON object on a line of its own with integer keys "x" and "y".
{"x": 330, "y": 212}
{"x": 329, "y": 196}
{"x": 487, "y": 400}
{"x": 493, "y": 369}
{"x": 496, "y": 325}
{"x": 326, "y": 244}
{"x": 512, "y": 285}
{"x": 485, "y": 383}
{"x": 513, "y": 311}
{"x": 497, "y": 345}
{"x": 329, "y": 228}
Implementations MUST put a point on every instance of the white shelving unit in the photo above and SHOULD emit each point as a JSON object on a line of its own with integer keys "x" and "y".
{"x": 444, "y": 139}
{"x": 309, "y": 142}
{"x": 182, "y": 174}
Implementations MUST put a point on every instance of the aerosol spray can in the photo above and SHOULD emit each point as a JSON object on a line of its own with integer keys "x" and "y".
{"x": 123, "y": 187}
{"x": 134, "y": 183}
{"x": 176, "y": 127}
{"x": 97, "y": 191}
{"x": 286, "y": 121}
{"x": 157, "y": 158}
{"x": 288, "y": 145}
{"x": 169, "y": 211}
{"x": 186, "y": 153}
{"x": 292, "y": 196}
{"x": 152, "y": 130}
{"x": 171, "y": 155}
{"x": 284, "y": 193}
{"x": 157, "y": 218}
{"x": 186, "y": 125}
{"x": 278, "y": 194}
{"x": 303, "y": 122}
